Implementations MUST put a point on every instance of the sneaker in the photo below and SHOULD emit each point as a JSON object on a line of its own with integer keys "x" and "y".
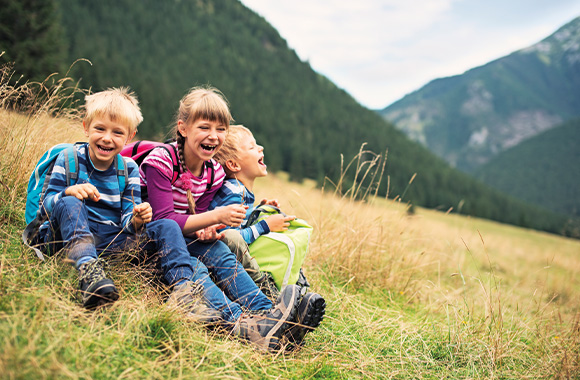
{"x": 264, "y": 328}
{"x": 96, "y": 288}
{"x": 188, "y": 296}
{"x": 310, "y": 313}
{"x": 268, "y": 287}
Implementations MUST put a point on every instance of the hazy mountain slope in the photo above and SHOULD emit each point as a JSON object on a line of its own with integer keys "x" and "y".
{"x": 162, "y": 48}
{"x": 469, "y": 118}
{"x": 544, "y": 170}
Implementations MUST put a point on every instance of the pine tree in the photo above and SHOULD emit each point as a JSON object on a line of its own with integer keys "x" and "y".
{"x": 31, "y": 37}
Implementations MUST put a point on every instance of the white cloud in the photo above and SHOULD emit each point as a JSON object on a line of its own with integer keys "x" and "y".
{"x": 380, "y": 50}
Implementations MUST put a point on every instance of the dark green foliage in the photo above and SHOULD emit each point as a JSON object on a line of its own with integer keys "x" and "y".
{"x": 163, "y": 48}
{"x": 31, "y": 37}
{"x": 543, "y": 170}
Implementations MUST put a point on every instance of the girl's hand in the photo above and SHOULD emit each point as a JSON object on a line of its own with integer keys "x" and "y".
{"x": 84, "y": 191}
{"x": 210, "y": 234}
{"x": 271, "y": 202}
{"x": 142, "y": 213}
{"x": 232, "y": 215}
{"x": 279, "y": 222}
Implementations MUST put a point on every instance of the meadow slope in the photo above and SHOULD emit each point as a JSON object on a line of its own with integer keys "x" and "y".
{"x": 411, "y": 293}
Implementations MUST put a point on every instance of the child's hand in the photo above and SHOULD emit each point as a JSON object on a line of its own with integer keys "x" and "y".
{"x": 279, "y": 222}
{"x": 271, "y": 202}
{"x": 84, "y": 191}
{"x": 210, "y": 233}
{"x": 232, "y": 215}
{"x": 142, "y": 214}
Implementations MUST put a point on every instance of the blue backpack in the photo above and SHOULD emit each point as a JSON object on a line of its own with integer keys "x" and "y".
{"x": 40, "y": 178}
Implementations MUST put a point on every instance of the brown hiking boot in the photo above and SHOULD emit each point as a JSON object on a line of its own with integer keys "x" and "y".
{"x": 189, "y": 298}
{"x": 264, "y": 328}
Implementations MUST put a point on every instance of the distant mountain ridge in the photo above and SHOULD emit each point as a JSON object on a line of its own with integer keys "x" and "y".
{"x": 543, "y": 170}
{"x": 305, "y": 122}
{"x": 468, "y": 119}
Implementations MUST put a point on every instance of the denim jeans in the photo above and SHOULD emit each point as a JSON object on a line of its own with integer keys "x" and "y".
{"x": 235, "y": 286}
{"x": 69, "y": 227}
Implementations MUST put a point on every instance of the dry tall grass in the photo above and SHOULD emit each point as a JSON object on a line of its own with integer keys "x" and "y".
{"x": 410, "y": 295}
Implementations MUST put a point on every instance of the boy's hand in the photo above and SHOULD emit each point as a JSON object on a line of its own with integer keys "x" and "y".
{"x": 270, "y": 202}
{"x": 84, "y": 191}
{"x": 142, "y": 213}
{"x": 279, "y": 222}
{"x": 232, "y": 215}
{"x": 210, "y": 233}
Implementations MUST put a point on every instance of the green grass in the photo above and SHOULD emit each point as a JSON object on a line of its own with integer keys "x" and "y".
{"x": 423, "y": 295}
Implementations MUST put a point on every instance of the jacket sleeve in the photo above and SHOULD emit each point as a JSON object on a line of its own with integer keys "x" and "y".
{"x": 251, "y": 233}
{"x": 160, "y": 196}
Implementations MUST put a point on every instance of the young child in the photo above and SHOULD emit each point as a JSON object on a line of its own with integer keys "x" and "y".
{"x": 202, "y": 124}
{"x": 95, "y": 218}
{"x": 243, "y": 161}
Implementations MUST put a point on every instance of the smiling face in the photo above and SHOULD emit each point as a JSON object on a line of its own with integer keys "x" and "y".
{"x": 202, "y": 139}
{"x": 249, "y": 163}
{"x": 106, "y": 139}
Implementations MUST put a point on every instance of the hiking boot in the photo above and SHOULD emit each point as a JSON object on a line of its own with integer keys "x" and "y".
{"x": 189, "y": 298}
{"x": 264, "y": 328}
{"x": 310, "y": 313}
{"x": 268, "y": 287}
{"x": 96, "y": 288}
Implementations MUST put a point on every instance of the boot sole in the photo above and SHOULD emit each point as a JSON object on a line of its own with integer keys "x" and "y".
{"x": 306, "y": 321}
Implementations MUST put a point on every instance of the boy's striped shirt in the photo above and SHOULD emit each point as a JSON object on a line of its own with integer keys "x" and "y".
{"x": 113, "y": 208}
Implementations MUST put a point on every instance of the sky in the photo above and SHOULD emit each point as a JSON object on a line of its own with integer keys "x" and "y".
{"x": 381, "y": 50}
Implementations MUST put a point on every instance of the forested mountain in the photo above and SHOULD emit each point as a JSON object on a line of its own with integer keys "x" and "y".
{"x": 543, "y": 170}
{"x": 31, "y": 38}
{"x": 162, "y": 48}
{"x": 469, "y": 118}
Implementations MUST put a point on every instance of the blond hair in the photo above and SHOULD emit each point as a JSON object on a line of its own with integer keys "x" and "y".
{"x": 200, "y": 103}
{"x": 231, "y": 146}
{"x": 118, "y": 104}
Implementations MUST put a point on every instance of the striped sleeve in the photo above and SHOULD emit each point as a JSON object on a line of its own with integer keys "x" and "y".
{"x": 56, "y": 186}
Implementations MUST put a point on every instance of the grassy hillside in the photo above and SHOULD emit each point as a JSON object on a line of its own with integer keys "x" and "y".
{"x": 543, "y": 170}
{"x": 305, "y": 122}
{"x": 410, "y": 295}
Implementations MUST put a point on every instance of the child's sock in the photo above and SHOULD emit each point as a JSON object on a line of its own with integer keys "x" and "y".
{"x": 83, "y": 260}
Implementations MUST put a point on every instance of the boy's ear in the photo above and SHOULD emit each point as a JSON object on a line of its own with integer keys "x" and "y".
{"x": 86, "y": 129}
{"x": 233, "y": 166}
{"x": 131, "y": 136}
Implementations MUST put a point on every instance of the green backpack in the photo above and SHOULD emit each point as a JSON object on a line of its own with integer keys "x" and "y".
{"x": 280, "y": 253}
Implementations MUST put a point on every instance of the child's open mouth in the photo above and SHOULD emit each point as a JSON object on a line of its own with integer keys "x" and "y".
{"x": 209, "y": 148}
{"x": 104, "y": 149}
{"x": 261, "y": 162}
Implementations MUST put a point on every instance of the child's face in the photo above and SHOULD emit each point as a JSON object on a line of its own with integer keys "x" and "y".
{"x": 251, "y": 159}
{"x": 106, "y": 139}
{"x": 202, "y": 139}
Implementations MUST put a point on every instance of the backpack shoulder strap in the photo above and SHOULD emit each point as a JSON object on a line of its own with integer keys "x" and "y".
{"x": 122, "y": 172}
{"x": 172, "y": 150}
{"x": 71, "y": 165}
{"x": 211, "y": 168}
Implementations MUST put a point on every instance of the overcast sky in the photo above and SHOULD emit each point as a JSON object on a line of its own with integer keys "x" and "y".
{"x": 380, "y": 50}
